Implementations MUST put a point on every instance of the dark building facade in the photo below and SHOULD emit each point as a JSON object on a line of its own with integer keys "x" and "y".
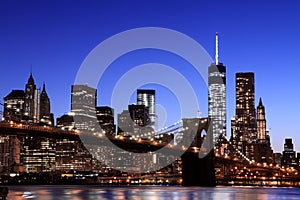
{"x": 288, "y": 154}
{"x": 277, "y": 158}
{"x": 125, "y": 123}
{"x": 66, "y": 122}
{"x": 105, "y": 117}
{"x": 14, "y": 105}
{"x": 45, "y": 114}
{"x": 139, "y": 114}
{"x": 147, "y": 98}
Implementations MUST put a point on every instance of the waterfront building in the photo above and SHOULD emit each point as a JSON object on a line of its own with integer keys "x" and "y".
{"x": 72, "y": 155}
{"x": 4, "y": 152}
{"x": 37, "y": 154}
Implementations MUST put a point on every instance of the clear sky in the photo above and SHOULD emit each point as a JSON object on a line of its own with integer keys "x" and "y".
{"x": 54, "y": 37}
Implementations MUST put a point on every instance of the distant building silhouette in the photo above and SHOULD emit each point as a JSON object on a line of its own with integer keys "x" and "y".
{"x": 277, "y": 158}
{"x": 45, "y": 114}
{"x": 288, "y": 154}
{"x": 125, "y": 123}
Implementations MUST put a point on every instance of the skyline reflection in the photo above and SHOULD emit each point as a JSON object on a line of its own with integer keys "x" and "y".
{"x": 86, "y": 192}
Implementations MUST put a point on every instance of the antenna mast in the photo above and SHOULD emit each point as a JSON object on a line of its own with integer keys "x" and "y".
{"x": 217, "y": 49}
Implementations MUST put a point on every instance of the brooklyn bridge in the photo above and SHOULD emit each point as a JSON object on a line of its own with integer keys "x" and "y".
{"x": 39, "y": 148}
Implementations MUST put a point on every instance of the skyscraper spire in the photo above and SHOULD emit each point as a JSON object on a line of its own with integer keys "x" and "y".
{"x": 217, "y": 49}
{"x": 44, "y": 88}
{"x": 217, "y": 97}
{"x": 260, "y": 102}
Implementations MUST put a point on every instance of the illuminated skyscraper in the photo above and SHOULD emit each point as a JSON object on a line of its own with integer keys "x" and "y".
{"x": 217, "y": 96}
{"x": 245, "y": 119}
{"x": 263, "y": 150}
{"x": 83, "y": 106}
{"x": 261, "y": 123}
{"x": 245, "y": 106}
{"x": 147, "y": 98}
{"x": 30, "y": 109}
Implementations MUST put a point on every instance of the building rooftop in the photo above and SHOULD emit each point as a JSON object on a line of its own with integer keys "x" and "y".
{"x": 15, "y": 94}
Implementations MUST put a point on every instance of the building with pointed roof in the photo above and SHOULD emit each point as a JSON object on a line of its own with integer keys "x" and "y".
{"x": 45, "y": 114}
{"x": 30, "y": 100}
{"x": 30, "y": 105}
{"x": 217, "y": 96}
{"x": 261, "y": 122}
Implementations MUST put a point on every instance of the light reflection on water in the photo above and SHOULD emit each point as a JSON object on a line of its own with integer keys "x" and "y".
{"x": 82, "y": 192}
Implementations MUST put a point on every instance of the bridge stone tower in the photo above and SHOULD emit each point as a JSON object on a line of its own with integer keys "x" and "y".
{"x": 199, "y": 171}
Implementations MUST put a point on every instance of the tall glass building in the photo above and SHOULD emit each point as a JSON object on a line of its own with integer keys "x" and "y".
{"x": 147, "y": 98}
{"x": 83, "y": 107}
{"x": 246, "y": 126}
{"x": 217, "y": 97}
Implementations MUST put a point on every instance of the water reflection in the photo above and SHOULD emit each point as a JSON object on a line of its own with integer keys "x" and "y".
{"x": 149, "y": 193}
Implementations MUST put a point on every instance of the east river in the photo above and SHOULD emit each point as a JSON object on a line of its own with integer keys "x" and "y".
{"x": 94, "y": 192}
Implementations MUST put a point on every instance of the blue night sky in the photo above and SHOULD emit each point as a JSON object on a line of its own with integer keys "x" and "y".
{"x": 54, "y": 37}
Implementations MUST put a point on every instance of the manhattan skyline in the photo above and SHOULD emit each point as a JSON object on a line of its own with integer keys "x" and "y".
{"x": 256, "y": 37}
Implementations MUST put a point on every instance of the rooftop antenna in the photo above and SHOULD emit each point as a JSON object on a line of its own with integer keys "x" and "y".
{"x": 217, "y": 49}
{"x": 31, "y": 69}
